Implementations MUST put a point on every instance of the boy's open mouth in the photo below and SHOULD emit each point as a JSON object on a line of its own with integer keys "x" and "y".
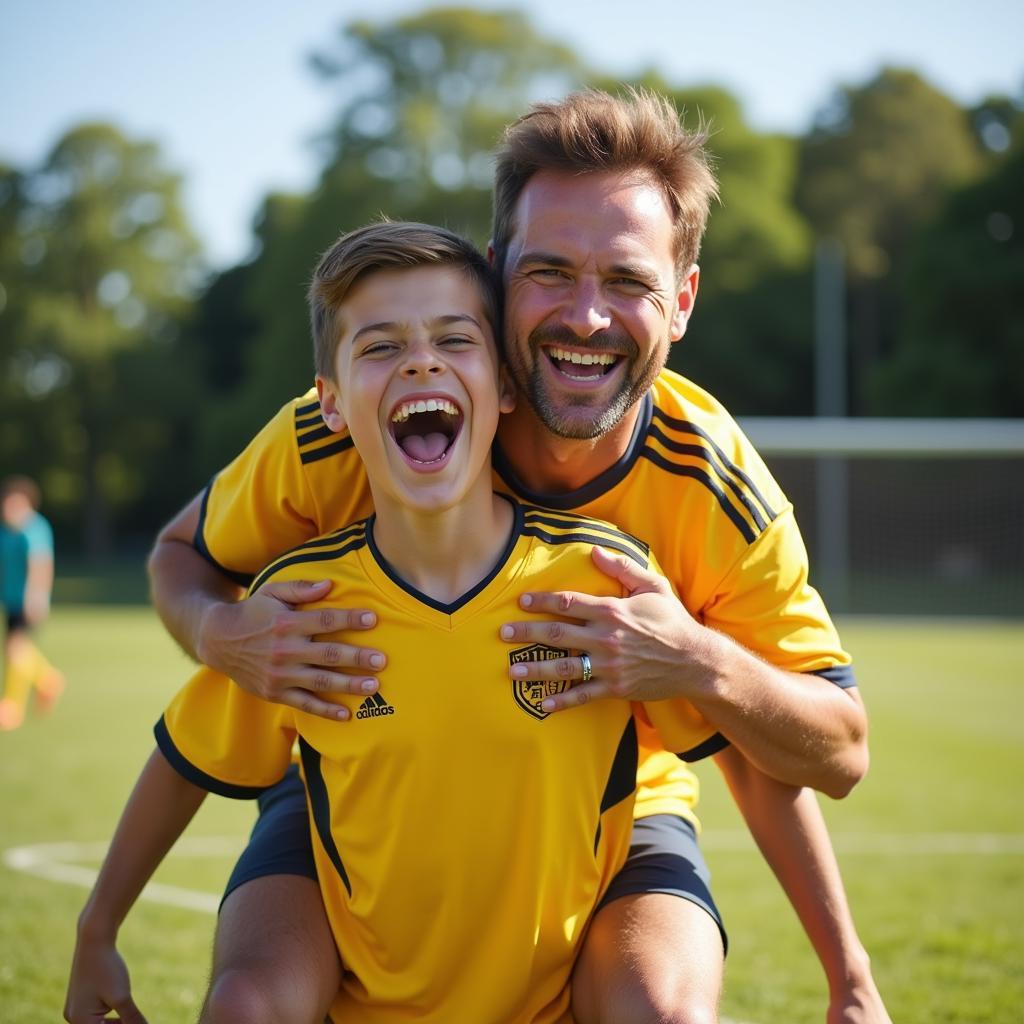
{"x": 582, "y": 366}
{"x": 426, "y": 428}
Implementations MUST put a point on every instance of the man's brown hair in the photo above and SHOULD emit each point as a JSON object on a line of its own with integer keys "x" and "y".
{"x": 23, "y": 485}
{"x": 592, "y": 131}
{"x": 388, "y": 245}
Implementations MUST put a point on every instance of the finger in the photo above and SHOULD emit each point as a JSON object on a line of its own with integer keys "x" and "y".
{"x": 541, "y": 671}
{"x": 576, "y": 696}
{"x": 331, "y": 654}
{"x": 128, "y": 1012}
{"x": 633, "y": 578}
{"x": 297, "y": 591}
{"x": 324, "y": 620}
{"x": 556, "y": 634}
{"x": 323, "y": 683}
{"x": 563, "y": 602}
{"x": 311, "y": 704}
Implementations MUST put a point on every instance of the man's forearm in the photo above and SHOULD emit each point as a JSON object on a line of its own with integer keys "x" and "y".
{"x": 184, "y": 587}
{"x": 797, "y": 728}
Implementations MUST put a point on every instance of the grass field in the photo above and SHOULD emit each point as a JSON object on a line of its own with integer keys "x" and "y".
{"x": 931, "y": 844}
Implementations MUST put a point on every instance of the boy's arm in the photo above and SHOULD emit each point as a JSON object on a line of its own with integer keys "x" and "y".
{"x": 261, "y": 642}
{"x": 787, "y": 824}
{"x": 159, "y": 808}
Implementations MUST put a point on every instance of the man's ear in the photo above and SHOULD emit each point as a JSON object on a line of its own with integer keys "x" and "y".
{"x": 506, "y": 391}
{"x": 330, "y": 405}
{"x": 686, "y": 296}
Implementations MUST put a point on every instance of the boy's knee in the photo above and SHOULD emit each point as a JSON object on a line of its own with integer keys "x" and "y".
{"x": 247, "y": 994}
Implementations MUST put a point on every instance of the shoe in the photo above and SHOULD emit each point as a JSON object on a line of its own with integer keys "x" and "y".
{"x": 11, "y": 716}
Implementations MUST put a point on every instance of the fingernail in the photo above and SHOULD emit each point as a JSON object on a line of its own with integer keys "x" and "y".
{"x": 369, "y": 685}
{"x": 376, "y": 660}
{"x": 341, "y": 714}
{"x": 548, "y": 705}
{"x": 518, "y": 671}
{"x": 525, "y": 601}
{"x": 366, "y": 619}
{"x": 507, "y": 633}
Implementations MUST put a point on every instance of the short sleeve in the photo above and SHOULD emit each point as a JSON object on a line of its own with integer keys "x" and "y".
{"x": 39, "y": 538}
{"x": 767, "y": 604}
{"x": 225, "y": 740}
{"x": 683, "y": 730}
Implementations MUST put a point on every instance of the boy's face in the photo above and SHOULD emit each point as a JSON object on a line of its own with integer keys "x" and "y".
{"x": 418, "y": 383}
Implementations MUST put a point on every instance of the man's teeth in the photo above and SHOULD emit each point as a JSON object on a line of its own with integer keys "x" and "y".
{"x": 407, "y": 409}
{"x": 584, "y": 359}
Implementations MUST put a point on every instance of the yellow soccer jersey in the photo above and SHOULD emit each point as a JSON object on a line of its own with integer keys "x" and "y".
{"x": 462, "y": 836}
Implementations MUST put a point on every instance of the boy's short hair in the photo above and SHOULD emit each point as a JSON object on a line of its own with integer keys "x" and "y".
{"x": 389, "y": 245}
{"x": 23, "y": 485}
{"x": 592, "y": 132}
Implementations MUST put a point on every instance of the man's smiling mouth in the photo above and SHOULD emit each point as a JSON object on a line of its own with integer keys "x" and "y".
{"x": 426, "y": 428}
{"x": 582, "y": 366}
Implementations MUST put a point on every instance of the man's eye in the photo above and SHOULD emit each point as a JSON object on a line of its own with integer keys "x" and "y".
{"x": 549, "y": 274}
{"x": 631, "y": 284}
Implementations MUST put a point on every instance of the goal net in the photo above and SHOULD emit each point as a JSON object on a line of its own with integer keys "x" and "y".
{"x": 907, "y": 516}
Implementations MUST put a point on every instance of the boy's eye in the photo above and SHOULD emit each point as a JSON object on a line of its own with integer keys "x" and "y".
{"x": 376, "y": 348}
{"x": 455, "y": 341}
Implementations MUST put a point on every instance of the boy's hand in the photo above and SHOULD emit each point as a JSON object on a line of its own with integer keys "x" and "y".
{"x": 99, "y": 985}
{"x": 644, "y": 646}
{"x": 266, "y": 646}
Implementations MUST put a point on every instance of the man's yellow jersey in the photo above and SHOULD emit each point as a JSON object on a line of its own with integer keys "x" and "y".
{"x": 690, "y": 484}
{"x": 462, "y": 836}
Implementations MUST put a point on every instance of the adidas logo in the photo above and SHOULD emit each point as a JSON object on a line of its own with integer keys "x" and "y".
{"x": 374, "y": 707}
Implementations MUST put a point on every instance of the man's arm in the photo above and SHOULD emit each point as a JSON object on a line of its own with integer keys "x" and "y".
{"x": 795, "y": 727}
{"x": 261, "y": 642}
{"x": 787, "y": 825}
{"x": 159, "y": 808}
{"x": 38, "y": 586}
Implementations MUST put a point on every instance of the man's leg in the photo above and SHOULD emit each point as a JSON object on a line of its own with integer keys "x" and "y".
{"x": 19, "y": 666}
{"x": 655, "y": 949}
{"x": 274, "y": 958}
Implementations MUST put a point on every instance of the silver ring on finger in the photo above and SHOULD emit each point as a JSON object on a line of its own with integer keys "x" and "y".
{"x": 587, "y": 667}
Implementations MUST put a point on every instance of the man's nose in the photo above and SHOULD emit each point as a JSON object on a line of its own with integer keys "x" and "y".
{"x": 585, "y": 312}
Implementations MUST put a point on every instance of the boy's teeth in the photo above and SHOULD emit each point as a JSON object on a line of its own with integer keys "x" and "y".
{"x": 584, "y": 359}
{"x": 407, "y": 409}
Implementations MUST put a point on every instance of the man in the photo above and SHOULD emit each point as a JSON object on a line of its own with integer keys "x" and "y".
{"x": 26, "y": 580}
{"x": 600, "y": 205}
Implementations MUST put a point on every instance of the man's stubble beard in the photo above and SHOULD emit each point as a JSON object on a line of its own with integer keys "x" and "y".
{"x": 530, "y": 384}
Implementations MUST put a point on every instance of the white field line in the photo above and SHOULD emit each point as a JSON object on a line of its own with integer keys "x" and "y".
{"x": 57, "y": 861}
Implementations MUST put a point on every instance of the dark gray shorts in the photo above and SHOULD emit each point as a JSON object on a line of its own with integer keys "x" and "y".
{"x": 663, "y": 856}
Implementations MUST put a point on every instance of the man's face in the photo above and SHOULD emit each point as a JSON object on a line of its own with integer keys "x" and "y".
{"x": 15, "y": 510}
{"x": 418, "y": 383}
{"x": 592, "y": 302}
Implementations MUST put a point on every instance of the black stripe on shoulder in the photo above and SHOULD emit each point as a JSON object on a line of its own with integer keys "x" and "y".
{"x": 318, "y": 432}
{"x": 188, "y": 771}
{"x": 712, "y": 745}
{"x": 320, "y": 804}
{"x": 686, "y": 427}
{"x": 199, "y": 543}
{"x": 841, "y": 675}
{"x": 586, "y": 538}
{"x": 622, "y": 777}
{"x": 703, "y": 477}
{"x": 323, "y": 549}
{"x": 568, "y": 520}
{"x": 316, "y": 454}
{"x": 310, "y": 407}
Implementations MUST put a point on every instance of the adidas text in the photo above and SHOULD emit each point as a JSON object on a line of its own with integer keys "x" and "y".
{"x": 374, "y": 712}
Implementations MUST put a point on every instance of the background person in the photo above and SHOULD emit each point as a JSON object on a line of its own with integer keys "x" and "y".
{"x": 26, "y": 583}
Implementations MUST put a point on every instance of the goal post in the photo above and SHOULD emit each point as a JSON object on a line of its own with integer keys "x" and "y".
{"x": 905, "y": 516}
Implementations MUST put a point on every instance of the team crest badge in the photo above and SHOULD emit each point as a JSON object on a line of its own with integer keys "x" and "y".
{"x": 529, "y": 693}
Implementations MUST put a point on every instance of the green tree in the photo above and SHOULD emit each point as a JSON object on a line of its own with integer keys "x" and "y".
{"x": 961, "y": 348}
{"x": 108, "y": 269}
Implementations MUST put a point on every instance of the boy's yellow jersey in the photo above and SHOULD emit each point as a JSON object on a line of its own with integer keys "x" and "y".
{"x": 690, "y": 484}
{"x": 449, "y": 800}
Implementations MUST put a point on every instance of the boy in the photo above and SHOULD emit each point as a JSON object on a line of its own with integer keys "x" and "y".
{"x": 461, "y": 844}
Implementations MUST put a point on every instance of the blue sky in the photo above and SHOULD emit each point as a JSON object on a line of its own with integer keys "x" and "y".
{"x": 225, "y": 88}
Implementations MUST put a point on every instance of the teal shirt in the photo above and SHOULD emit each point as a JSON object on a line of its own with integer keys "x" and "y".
{"x": 17, "y": 549}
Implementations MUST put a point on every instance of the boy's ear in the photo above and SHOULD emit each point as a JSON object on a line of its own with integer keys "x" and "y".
{"x": 330, "y": 405}
{"x": 506, "y": 391}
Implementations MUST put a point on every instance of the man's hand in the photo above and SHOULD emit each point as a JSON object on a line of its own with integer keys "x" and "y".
{"x": 268, "y": 647}
{"x": 644, "y": 646}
